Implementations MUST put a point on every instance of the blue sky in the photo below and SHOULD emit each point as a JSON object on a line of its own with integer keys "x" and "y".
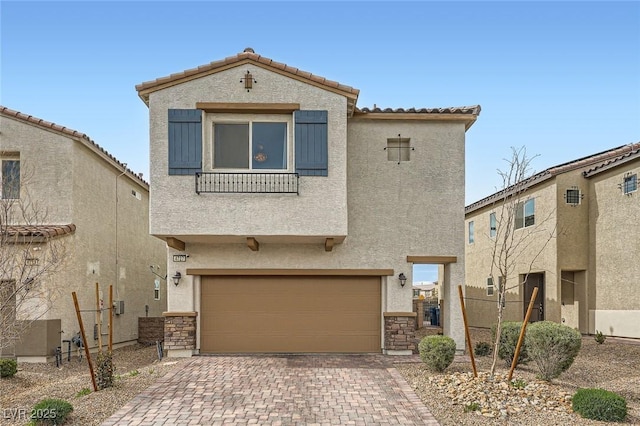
{"x": 561, "y": 78}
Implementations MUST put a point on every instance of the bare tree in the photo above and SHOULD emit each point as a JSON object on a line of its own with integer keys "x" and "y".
{"x": 514, "y": 249}
{"x": 31, "y": 252}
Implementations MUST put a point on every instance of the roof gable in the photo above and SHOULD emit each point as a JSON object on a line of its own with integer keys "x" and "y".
{"x": 248, "y": 56}
{"x": 73, "y": 134}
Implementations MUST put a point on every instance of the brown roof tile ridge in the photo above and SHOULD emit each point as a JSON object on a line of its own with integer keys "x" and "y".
{"x": 600, "y": 157}
{"x": 66, "y": 131}
{"x": 472, "y": 109}
{"x": 619, "y": 154}
{"x": 41, "y": 230}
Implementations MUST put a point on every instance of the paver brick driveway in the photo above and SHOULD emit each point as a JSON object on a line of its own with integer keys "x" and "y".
{"x": 278, "y": 390}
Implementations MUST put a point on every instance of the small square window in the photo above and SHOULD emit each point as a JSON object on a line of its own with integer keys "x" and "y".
{"x": 398, "y": 149}
{"x": 572, "y": 196}
{"x": 630, "y": 184}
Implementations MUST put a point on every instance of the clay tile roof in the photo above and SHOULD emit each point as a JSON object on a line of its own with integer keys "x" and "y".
{"x": 45, "y": 231}
{"x": 468, "y": 114}
{"x": 600, "y": 162}
{"x": 248, "y": 55}
{"x": 65, "y": 131}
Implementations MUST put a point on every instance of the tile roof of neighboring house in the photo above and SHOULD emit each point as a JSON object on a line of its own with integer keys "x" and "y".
{"x": 600, "y": 160}
{"x": 46, "y": 231}
{"x": 65, "y": 131}
{"x": 248, "y": 56}
{"x": 631, "y": 152}
{"x": 468, "y": 114}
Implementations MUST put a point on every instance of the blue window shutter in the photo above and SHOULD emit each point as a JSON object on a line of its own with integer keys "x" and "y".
{"x": 185, "y": 141}
{"x": 311, "y": 143}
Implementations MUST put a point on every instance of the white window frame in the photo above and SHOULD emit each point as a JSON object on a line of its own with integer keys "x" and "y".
{"x": 156, "y": 290}
{"x": 631, "y": 177}
{"x": 522, "y": 206}
{"x": 573, "y": 202}
{"x": 490, "y": 287}
{"x": 227, "y": 118}
{"x": 471, "y": 232}
{"x": 493, "y": 225}
{"x": 10, "y": 157}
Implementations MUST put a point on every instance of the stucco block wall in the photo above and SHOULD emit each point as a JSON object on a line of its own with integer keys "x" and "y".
{"x": 319, "y": 210}
{"x": 614, "y": 304}
{"x": 573, "y": 223}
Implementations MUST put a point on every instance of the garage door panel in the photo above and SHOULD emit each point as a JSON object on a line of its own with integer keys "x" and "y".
{"x": 290, "y": 314}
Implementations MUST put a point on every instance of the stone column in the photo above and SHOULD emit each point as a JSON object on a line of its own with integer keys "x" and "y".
{"x": 399, "y": 333}
{"x": 180, "y": 333}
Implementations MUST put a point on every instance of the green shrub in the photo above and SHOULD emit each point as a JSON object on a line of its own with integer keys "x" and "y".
{"x": 508, "y": 342}
{"x": 482, "y": 349}
{"x": 437, "y": 352}
{"x": 519, "y": 383}
{"x": 104, "y": 370}
{"x": 553, "y": 347}
{"x": 8, "y": 367}
{"x": 599, "y": 404}
{"x": 599, "y": 337}
{"x": 83, "y": 392}
{"x": 474, "y": 406}
{"x": 50, "y": 412}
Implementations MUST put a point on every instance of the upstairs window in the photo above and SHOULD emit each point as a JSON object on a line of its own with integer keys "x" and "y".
{"x": 525, "y": 214}
{"x": 398, "y": 149}
{"x": 572, "y": 196}
{"x": 493, "y": 225}
{"x": 630, "y": 184}
{"x": 10, "y": 175}
{"x": 253, "y": 146}
{"x": 471, "y": 232}
{"x": 490, "y": 286}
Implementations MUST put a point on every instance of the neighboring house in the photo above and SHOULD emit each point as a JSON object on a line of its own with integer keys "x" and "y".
{"x": 290, "y": 214}
{"x": 425, "y": 289}
{"x": 588, "y": 273}
{"x": 99, "y": 210}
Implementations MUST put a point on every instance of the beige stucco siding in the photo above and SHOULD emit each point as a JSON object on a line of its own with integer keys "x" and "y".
{"x": 319, "y": 210}
{"x": 573, "y": 221}
{"x": 614, "y": 304}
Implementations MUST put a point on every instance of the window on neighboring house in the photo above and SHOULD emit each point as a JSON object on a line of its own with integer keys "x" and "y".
{"x": 471, "y": 236}
{"x": 572, "y": 196}
{"x": 525, "y": 214}
{"x": 253, "y": 146}
{"x": 493, "y": 225}
{"x": 156, "y": 290}
{"x": 630, "y": 184}
{"x": 489, "y": 286}
{"x": 10, "y": 174}
{"x": 398, "y": 149}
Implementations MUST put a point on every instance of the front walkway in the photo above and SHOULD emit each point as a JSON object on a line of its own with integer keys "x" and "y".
{"x": 278, "y": 390}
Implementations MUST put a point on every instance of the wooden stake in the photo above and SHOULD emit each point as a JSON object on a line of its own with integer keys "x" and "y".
{"x": 98, "y": 318}
{"x": 466, "y": 332}
{"x": 84, "y": 341}
{"x": 110, "y": 318}
{"x": 522, "y": 331}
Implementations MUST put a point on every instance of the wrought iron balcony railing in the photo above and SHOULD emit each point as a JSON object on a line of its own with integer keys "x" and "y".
{"x": 276, "y": 183}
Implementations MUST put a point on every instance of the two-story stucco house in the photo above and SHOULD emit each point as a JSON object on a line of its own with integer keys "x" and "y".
{"x": 293, "y": 218}
{"x": 98, "y": 209}
{"x": 587, "y": 273}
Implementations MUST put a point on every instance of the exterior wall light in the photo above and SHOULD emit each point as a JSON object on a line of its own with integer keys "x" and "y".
{"x": 402, "y": 278}
{"x": 176, "y": 278}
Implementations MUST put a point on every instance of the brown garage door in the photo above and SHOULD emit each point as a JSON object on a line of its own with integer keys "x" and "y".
{"x": 290, "y": 314}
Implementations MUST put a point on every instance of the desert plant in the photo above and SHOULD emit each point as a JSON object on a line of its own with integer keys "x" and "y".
{"x": 519, "y": 383}
{"x": 553, "y": 347}
{"x": 437, "y": 352}
{"x": 599, "y": 404}
{"x": 482, "y": 349}
{"x": 50, "y": 412}
{"x": 8, "y": 367}
{"x": 509, "y": 335}
{"x": 83, "y": 392}
{"x": 474, "y": 406}
{"x": 104, "y": 370}
{"x": 599, "y": 337}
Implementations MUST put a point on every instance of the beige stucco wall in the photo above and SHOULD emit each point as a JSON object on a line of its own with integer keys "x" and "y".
{"x": 573, "y": 223}
{"x": 77, "y": 185}
{"x": 538, "y": 241}
{"x": 176, "y": 209}
{"x": 614, "y": 303}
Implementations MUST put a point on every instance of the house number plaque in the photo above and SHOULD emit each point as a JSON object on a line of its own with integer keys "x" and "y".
{"x": 179, "y": 257}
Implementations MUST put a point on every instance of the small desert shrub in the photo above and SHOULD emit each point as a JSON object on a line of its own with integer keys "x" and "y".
{"x": 50, "y": 412}
{"x": 104, "y": 370}
{"x": 482, "y": 349}
{"x": 599, "y": 337}
{"x": 437, "y": 352}
{"x": 553, "y": 347}
{"x": 519, "y": 383}
{"x": 8, "y": 367}
{"x": 83, "y": 392}
{"x": 508, "y": 342}
{"x": 599, "y": 404}
{"x": 474, "y": 406}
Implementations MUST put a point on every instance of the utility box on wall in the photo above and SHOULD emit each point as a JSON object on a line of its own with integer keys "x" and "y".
{"x": 118, "y": 307}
